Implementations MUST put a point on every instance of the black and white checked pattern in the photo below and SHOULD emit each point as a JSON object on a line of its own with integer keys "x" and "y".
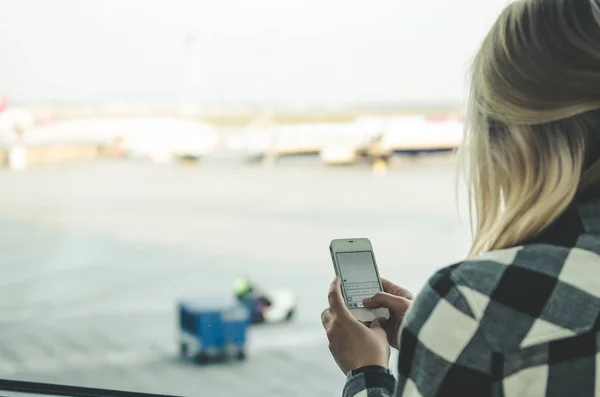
{"x": 522, "y": 321}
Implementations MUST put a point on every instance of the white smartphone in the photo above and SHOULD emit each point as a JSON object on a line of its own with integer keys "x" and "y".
{"x": 354, "y": 262}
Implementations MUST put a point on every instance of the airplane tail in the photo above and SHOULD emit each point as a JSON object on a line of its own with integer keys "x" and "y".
{"x": 3, "y": 103}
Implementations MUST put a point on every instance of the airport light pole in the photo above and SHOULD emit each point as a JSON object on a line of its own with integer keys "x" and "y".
{"x": 188, "y": 103}
{"x": 268, "y": 112}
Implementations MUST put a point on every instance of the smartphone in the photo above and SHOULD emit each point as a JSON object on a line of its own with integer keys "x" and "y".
{"x": 354, "y": 262}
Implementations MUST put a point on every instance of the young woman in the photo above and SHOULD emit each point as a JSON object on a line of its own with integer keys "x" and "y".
{"x": 521, "y": 315}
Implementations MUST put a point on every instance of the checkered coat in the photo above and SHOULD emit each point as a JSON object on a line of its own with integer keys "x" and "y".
{"x": 522, "y": 321}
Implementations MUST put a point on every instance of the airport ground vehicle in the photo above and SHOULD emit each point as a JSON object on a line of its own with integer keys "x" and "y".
{"x": 212, "y": 329}
{"x": 273, "y": 307}
{"x": 265, "y": 306}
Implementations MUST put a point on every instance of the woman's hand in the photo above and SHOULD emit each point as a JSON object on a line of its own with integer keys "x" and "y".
{"x": 397, "y": 300}
{"x": 352, "y": 343}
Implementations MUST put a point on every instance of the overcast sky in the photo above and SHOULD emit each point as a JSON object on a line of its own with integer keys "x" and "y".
{"x": 285, "y": 51}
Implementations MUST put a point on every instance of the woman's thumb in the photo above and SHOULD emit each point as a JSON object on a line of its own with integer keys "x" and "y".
{"x": 383, "y": 299}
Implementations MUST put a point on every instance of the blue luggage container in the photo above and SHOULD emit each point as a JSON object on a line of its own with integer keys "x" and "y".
{"x": 213, "y": 330}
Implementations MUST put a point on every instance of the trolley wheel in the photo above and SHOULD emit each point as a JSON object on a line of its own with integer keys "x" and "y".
{"x": 241, "y": 355}
{"x": 290, "y": 315}
{"x": 183, "y": 349}
{"x": 203, "y": 358}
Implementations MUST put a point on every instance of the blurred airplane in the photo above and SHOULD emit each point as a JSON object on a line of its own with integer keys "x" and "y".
{"x": 418, "y": 134}
{"x": 13, "y": 119}
{"x": 153, "y": 139}
{"x": 344, "y": 143}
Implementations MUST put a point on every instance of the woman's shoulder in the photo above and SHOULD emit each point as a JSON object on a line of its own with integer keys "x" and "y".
{"x": 530, "y": 294}
{"x": 530, "y": 265}
{"x": 533, "y": 270}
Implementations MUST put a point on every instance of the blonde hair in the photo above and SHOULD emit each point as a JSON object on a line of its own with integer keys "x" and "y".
{"x": 532, "y": 136}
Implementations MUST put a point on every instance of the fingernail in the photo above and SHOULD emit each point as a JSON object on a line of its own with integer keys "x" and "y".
{"x": 367, "y": 300}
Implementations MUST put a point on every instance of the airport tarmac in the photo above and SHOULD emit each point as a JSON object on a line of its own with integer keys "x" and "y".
{"x": 94, "y": 257}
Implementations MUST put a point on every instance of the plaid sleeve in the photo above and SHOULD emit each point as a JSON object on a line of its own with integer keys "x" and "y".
{"x": 371, "y": 381}
{"x": 442, "y": 349}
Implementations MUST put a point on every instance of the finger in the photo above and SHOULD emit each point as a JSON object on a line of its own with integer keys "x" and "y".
{"x": 336, "y": 300}
{"x": 388, "y": 301}
{"x": 378, "y": 323}
{"x": 326, "y": 318}
{"x": 395, "y": 289}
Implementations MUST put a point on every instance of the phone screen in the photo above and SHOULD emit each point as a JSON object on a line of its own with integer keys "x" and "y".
{"x": 359, "y": 276}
